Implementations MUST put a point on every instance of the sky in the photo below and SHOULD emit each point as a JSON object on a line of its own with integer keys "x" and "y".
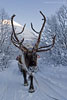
{"x": 27, "y": 11}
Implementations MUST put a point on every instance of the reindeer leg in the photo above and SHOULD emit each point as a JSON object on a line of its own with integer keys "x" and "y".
{"x": 25, "y": 78}
{"x": 31, "y": 88}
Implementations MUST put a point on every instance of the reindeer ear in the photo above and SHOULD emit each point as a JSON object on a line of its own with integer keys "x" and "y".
{"x": 17, "y": 58}
{"x": 38, "y": 56}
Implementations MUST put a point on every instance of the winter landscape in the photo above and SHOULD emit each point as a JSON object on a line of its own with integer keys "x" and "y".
{"x": 49, "y": 52}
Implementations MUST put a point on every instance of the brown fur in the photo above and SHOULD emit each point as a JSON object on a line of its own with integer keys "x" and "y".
{"x": 19, "y": 59}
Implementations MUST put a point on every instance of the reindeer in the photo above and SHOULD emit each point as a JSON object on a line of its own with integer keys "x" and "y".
{"x": 29, "y": 57}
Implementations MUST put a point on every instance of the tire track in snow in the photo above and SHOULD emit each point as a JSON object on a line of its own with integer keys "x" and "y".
{"x": 58, "y": 80}
{"x": 46, "y": 83}
{"x": 2, "y": 92}
{"x": 57, "y": 88}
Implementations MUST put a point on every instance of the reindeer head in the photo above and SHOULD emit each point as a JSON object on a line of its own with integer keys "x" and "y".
{"x": 31, "y": 58}
{"x": 30, "y": 55}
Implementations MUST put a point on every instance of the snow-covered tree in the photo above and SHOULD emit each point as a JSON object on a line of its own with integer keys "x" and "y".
{"x": 4, "y": 29}
{"x": 57, "y": 24}
{"x": 4, "y": 37}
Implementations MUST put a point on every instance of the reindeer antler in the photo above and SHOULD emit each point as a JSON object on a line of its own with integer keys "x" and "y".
{"x": 19, "y": 43}
{"x": 40, "y": 32}
{"x": 39, "y": 37}
{"x": 15, "y": 39}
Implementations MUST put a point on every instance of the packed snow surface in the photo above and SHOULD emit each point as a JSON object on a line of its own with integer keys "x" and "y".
{"x": 51, "y": 83}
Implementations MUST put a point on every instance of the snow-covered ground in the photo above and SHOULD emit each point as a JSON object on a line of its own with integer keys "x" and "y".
{"x": 52, "y": 83}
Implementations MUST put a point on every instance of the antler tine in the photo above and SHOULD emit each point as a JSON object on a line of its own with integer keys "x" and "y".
{"x": 33, "y": 28}
{"x": 44, "y": 46}
{"x": 14, "y": 41}
{"x": 38, "y": 40}
{"x": 22, "y": 29}
{"x": 21, "y": 41}
{"x": 49, "y": 46}
{"x": 44, "y": 18}
{"x": 43, "y": 15}
{"x": 12, "y": 38}
{"x": 13, "y": 27}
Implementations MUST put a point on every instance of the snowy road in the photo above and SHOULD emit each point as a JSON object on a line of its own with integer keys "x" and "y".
{"x": 52, "y": 84}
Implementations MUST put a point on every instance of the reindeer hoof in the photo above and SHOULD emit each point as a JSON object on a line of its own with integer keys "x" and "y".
{"x": 31, "y": 90}
{"x": 25, "y": 84}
